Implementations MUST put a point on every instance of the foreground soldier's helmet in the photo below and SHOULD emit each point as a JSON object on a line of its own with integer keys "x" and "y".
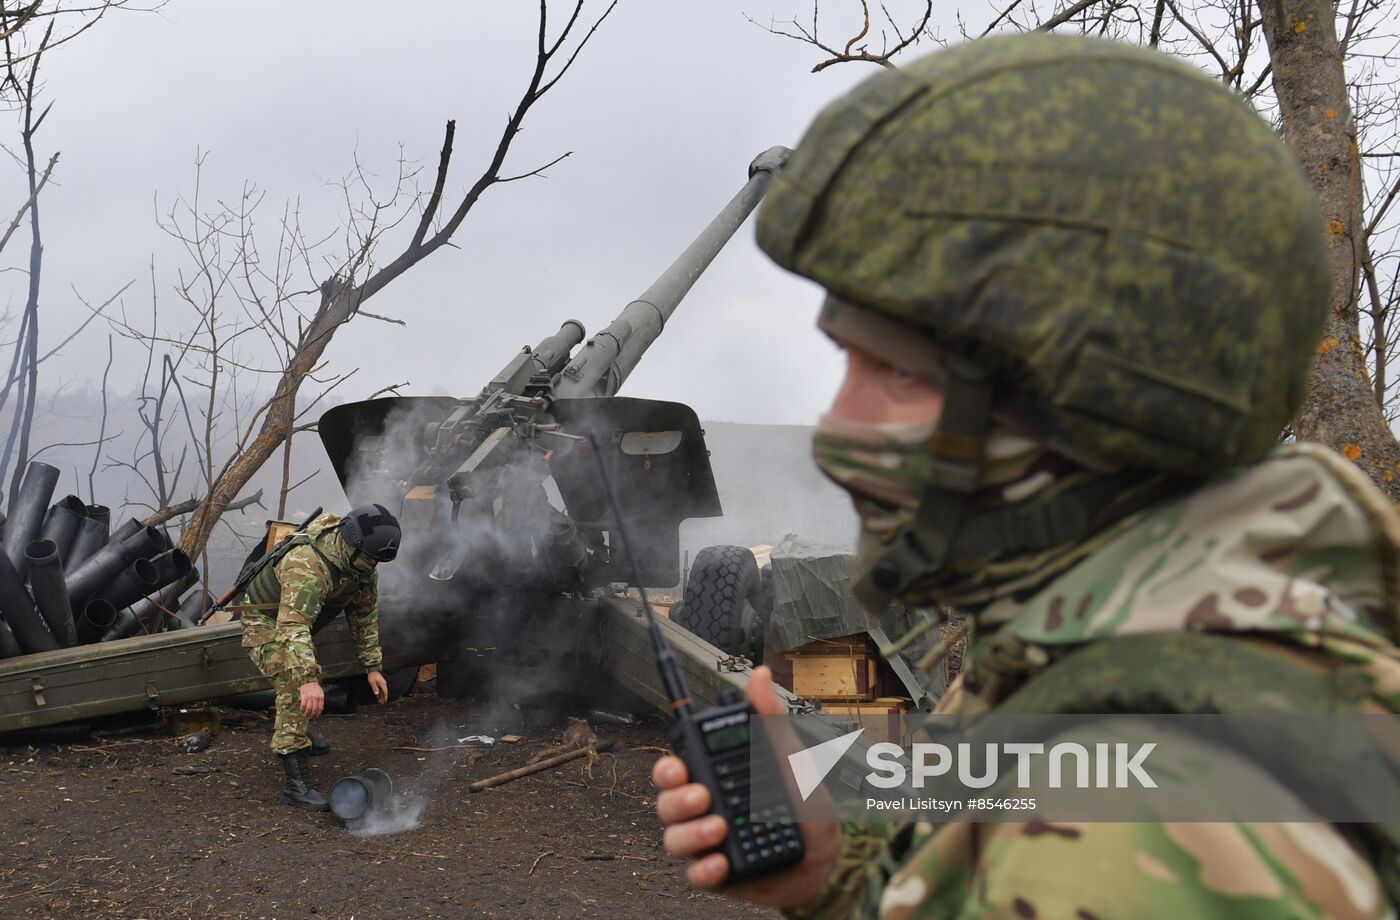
{"x": 1108, "y": 240}
{"x": 373, "y": 531}
{"x": 1112, "y": 231}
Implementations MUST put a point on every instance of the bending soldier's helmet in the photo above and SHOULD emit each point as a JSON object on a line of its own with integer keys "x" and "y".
{"x": 1092, "y": 248}
{"x": 372, "y": 531}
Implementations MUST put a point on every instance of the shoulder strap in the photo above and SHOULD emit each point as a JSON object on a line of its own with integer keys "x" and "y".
{"x": 1191, "y": 673}
{"x": 264, "y": 587}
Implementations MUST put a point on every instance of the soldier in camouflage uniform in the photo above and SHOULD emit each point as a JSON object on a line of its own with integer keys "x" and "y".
{"x": 1078, "y": 285}
{"x": 331, "y": 568}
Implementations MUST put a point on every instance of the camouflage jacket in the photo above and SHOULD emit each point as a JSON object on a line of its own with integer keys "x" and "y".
{"x": 309, "y": 586}
{"x": 1297, "y": 559}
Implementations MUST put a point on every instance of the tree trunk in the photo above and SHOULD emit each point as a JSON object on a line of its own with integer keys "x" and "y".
{"x": 338, "y": 303}
{"x": 1339, "y": 407}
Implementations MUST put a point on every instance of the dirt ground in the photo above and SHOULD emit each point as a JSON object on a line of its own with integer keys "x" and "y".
{"x": 131, "y": 826}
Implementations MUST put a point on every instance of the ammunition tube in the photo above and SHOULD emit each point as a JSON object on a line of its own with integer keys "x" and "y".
{"x": 50, "y": 593}
{"x": 130, "y": 527}
{"x": 62, "y": 523}
{"x": 151, "y": 614}
{"x": 9, "y": 648}
{"x": 27, "y": 510}
{"x": 90, "y": 578}
{"x": 131, "y": 584}
{"x": 97, "y": 617}
{"x": 18, "y": 610}
{"x": 91, "y": 536}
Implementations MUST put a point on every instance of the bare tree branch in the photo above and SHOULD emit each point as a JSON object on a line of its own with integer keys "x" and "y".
{"x": 24, "y": 208}
{"x": 102, "y": 429}
{"x": 808, "y": 36}
{"x": 194, "y": 504}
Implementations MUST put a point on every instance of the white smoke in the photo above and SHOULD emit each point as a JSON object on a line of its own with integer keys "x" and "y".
{"x": 407, "y": 806}
{"x": 403, "y": 812}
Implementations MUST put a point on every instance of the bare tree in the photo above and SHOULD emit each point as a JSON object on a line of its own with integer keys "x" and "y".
{"x": 261, "y": 327}
{"x": 29, "y": 32}
{"x": 1290, "y": 59}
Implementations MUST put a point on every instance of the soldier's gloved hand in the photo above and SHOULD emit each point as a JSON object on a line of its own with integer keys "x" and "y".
{"x": 313, "y": 699}
{"x": 691, "y": 830}
{"x": 379, "y": 686}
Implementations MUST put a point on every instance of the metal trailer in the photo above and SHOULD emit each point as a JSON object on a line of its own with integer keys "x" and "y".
{"x": 209, "y": 662}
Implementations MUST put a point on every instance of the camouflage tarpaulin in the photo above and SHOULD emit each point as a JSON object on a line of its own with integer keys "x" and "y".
{"x": 812, "y": 596}
{"x": 812, "y": 600}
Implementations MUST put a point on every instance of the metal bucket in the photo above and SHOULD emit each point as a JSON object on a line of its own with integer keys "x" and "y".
{"x": 361, "y": 795}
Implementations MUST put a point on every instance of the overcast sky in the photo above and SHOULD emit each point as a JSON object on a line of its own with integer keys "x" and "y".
{"x": 663, "y": 113}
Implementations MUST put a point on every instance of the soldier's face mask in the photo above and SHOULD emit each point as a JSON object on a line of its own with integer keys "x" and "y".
{"x": 362, "y": 564}
{"x": 883, "y": 464}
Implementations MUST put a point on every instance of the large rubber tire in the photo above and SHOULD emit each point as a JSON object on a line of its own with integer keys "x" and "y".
{"x": 723, "y": 601}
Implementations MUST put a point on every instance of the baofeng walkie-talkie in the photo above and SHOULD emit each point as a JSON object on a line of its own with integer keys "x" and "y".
{"x": 715, "y": 744}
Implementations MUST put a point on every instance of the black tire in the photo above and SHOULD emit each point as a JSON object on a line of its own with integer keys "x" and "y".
{"x": 723, "y": 601}
{"x": 401, "y": 681}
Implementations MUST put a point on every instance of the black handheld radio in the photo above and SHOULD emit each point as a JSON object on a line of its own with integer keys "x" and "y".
{"x": 715, "y": 745}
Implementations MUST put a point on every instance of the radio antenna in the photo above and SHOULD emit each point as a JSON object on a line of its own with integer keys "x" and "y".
{"x": 671, "y": 678}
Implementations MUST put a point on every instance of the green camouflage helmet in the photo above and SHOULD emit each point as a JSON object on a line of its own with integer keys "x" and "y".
{"x": 1113, "y": 235}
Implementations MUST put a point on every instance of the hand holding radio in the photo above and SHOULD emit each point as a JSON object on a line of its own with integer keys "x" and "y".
{"x": 694, "y": 833}
{"x": 738, "y": 821}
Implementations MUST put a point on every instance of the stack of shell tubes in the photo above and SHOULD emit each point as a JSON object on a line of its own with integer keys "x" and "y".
{"x": 67, "y": 579}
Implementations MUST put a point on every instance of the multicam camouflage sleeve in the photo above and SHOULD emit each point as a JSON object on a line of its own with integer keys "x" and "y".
{"x": 1101, "y": 870}
{"x": 362, "y": 613}
{"x": 859, "y": 874}
{"x": 305, "y": 582}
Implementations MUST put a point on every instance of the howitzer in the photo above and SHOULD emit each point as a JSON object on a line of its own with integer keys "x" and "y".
{"x": 479, "y": 483}
{"x": 497, "y": 494}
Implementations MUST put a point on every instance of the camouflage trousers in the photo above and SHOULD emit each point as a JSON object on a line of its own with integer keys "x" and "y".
{"x": 292, "y": 730}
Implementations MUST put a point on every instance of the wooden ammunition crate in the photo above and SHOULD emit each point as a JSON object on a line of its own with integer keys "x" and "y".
{"x": 276, "y": 530}
{"x": 833, "y": 677}
{"x": 846, "y": 668}
{"x": 881, "y": 718}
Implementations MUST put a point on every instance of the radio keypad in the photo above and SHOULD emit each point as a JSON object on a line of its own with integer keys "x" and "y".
{"x": 761, "y": 822}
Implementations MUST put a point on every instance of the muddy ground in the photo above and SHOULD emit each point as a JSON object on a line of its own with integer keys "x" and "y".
{"x": 130, "y": 826}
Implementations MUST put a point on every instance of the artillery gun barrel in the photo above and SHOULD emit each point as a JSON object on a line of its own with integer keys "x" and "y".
{"x": 601, "y": 366}
{"x": 546, "y": 360}
{"x": 553, "y": 353}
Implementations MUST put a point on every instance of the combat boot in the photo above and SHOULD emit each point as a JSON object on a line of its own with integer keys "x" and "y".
{"x": 299, "y": 788}
{"x": 318, "y": 747}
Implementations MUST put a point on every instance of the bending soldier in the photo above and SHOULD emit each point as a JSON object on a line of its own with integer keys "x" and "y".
{"x": 1079, "y": 286}
{"x": 330, "y": 569}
